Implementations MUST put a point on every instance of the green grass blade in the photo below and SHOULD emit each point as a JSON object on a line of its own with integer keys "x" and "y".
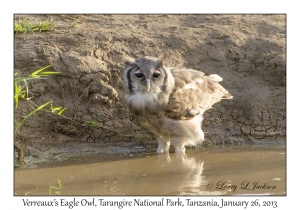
{"x": 49, "y": 73}
{"x": 61, "y": 111}
{"x": 59, "y": 183}
{"x": 43, "y": 105}
{"x": 39, "y": 70}
{"x": 31, "y": 113}
{"x": 18, "y": 80}
{"x": 18, "y": 125}
{"x": 19, "y": 92}
{"x": 54, "y": 110}
{"x": 16, "y": 95}
{"x": 26, "y": 85}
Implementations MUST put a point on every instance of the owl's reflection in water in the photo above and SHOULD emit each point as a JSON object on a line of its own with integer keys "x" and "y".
{"x": 172, "y": 174}
{"x": 186, "y": 173}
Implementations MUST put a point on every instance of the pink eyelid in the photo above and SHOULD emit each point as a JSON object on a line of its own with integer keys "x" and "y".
{"x": 138, "y": 71}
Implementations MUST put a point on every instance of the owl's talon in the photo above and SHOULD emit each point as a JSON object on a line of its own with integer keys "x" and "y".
{"x": 161, "y": 152}
{"x": 163, "y": 146}
{"x": 180, "y": 150}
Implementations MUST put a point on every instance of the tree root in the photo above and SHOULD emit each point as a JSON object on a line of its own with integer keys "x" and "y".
{"x": 20, "y": 153}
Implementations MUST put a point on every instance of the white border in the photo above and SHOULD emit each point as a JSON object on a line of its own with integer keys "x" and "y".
{"x": 8, "y": 201}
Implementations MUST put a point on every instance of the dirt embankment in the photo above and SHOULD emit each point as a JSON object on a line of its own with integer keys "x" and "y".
{"x": 248, "y": 51}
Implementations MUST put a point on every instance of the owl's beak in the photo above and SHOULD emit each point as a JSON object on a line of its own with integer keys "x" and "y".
{"x": 148, "y": 84}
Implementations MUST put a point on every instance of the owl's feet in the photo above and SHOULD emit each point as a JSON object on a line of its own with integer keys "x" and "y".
{"x": 178, "y": 145}
{"x": 180, "y": 149}
{"x": 163, "y": 146}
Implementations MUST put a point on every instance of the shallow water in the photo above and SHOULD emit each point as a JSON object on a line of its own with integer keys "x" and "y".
{"x": 231, "y": 170}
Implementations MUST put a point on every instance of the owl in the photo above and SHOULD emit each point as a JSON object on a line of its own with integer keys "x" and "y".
{"x": 170, "y": 102}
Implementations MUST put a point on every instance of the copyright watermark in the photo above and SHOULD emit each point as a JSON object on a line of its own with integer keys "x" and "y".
{"x": 245, "y": 185}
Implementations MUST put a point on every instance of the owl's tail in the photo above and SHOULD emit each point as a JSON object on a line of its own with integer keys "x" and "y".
{"x": 215, "y": 79}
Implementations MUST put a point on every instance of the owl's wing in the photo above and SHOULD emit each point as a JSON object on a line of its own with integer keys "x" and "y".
{"x": 193, "y": 93}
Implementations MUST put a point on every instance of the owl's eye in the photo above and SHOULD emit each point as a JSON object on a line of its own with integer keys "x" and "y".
{"x": 156, "y": 73}
{"x": 138, "y": 73}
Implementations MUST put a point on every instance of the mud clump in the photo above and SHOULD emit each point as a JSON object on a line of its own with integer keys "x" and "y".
{"x": 247, "y": 51}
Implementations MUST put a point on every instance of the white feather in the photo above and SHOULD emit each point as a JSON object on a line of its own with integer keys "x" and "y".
{"x": 216, "y": 77}
{"x": 193, "y": 112}
{"x": 190, "y": 86}
{"x": 141, "y": 99}
{"x": 199, "y": 81}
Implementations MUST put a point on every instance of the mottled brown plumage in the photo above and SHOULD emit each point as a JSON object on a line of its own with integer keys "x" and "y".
{"x": 193, "y": 93}
{"x": 170, "y": 102}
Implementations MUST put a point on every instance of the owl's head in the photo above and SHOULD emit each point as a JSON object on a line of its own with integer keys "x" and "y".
{"x": 146, "y": 74}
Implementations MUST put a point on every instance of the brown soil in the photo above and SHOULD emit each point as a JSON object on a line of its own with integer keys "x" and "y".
{"x": 248, "y": 51}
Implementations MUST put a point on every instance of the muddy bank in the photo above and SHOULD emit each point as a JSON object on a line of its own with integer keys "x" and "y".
{"x": 248, "y": 51}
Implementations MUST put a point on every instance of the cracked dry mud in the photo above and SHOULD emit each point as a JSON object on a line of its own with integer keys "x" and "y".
{"x": 248, "y": 51}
